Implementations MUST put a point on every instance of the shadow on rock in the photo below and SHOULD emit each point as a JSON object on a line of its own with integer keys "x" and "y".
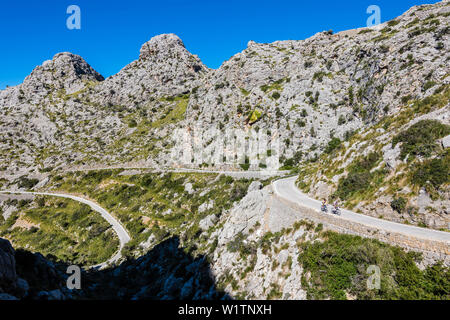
{"x": 165, "y": 272}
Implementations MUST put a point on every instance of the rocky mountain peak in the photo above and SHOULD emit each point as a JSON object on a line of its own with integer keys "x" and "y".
{"x": 161, "y": 44}
{"x": 76, "y": 66}
{"x": 169, "y": 49}
{"x": 65, "y": 71}
{"x": 164, "y": 68}
{"x": 251, "y": 44}
{"x": 66, "y": 64}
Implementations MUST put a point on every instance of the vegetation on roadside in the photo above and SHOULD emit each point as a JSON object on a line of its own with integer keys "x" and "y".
{"x": 157, "y": 205}
{"x": 420, "y": 138}
{"x": 63, "y": 230}
{"x": 359, "y": 177}
{"x": 432, "y": 173}
{"x": 427, "y": 164}
{"x": 338, "y": 269}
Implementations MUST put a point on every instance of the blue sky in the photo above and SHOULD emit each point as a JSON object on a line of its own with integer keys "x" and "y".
{"x": 112, "y": 32}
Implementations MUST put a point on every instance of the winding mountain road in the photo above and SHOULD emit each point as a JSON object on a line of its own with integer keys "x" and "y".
{"x": 121, "y": 232}
{"x": 286, "y": 189}
{"x": 237, "y": 173}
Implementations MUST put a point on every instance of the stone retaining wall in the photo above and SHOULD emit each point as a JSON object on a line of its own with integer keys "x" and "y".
{"x": 434, "y": 250}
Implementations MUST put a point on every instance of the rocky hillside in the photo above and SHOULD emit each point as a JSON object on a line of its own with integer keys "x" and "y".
{"x": 255, "y": 257}
{"x": 362, "y": 116}
{"x": 313, "y": 93}
{"x": 311, "y": 90}
{"x": 331, "y": 84}
{"x": 165, "y": 272}
{"x": 24, "y": 275}
{"x": 244, "y": 253}
{"x": 398, "y": 169}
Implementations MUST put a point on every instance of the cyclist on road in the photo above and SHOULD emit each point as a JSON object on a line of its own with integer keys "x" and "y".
{"x": 336, "y": 206}
{"x": 324, "y": 205}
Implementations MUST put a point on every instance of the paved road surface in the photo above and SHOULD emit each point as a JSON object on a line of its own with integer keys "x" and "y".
{"x": 286, "y": 189}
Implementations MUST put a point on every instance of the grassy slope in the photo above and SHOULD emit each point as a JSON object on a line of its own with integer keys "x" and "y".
{"x": 337, "y": 268}
{"x": 359, "y": 183}
{"x": 64, "y": 230}
{"x": 157, "y": 204}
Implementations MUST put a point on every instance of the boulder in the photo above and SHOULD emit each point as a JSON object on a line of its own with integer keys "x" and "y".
{"x": 255, "y": 185}
{"x": 55, "y": 295}
{"x": 189, "y": 188}
{"x": 187, "y": 289}
{"x": 7, "y": 263}
{"x": 206, "y": 206}
{"x": 22, "y": 286}
{"x": 446, "y": 142}
{"x": 208, "y": 222}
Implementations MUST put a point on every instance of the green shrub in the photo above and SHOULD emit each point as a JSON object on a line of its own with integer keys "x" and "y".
{"x": 355, "y": 181}
{"x": 24, "y": 182}
{"x": 338, "y": 266}
{"x": 312, "y": 132}
{"x": 398, "y": 204}
{"x": 405, "y": 99}
{"x": 333, "y": 144}
{"x": 244, "y": 166}
{"x": 300, "y": 123}
{"x": 349, "y": 134}
{"x": 367, "y": 163}
{"x": 393, "y": 23}
{"x": 238, "y": 191}
{"x": 147, "y": 180}
{"x": 436, "y": 171}
{"x": 359, "y": 176}
{"x": 365, "y": 31}
{"x": 351, "y": 95}
{"x": 254, "y": 116}
{"x": 22, "y": 203}
{"x": 319, "y": 76}
{"x": 278, "y": 112}
{"x": 132, "y": 123}
{"x": 420, "y": 138}
{"x": 428, "y": 85}
{"x": 276, "y": 95}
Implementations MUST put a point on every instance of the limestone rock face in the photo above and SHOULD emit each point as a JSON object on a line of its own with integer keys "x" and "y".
{"x": 255, "y": 185}
{"x": 162, "y": 47}
{"x": 446, "y": 142}
{"x": 189, "y": 188}
{"x": 208, "y": 222}
{"x": 246, "y": 226}
{"x": 7, "y": 264}
{"x": 308, "y": 91}
{"x": 164, "y": 68}
{"x": 248, "y": 212}
{"x": 65, "y": 71}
